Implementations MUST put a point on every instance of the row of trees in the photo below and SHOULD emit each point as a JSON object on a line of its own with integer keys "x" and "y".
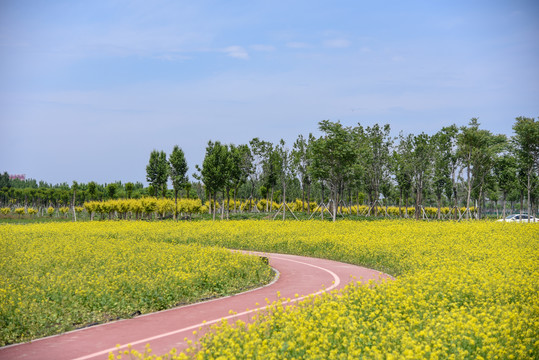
{"x": 457, "y": 166}
{"x": 31, "y": 193}
{"x": 160, "y": 169}
{"x": 347, "y": 161}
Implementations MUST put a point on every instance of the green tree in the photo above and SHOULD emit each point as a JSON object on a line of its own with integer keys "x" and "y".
{"x": 526, "y": 148}
{"x": 4, "y": 180}
{"x": 260, "y": 152}
{"x": 376, "y": 158}
{"x": 403, "y": 169}
{"x": 484, "y": 163}
{"x": 213, "y": 172}
{"x": 92, "y": 190}
{"x": 333, "y": 157}
{"x": 271, "y": 170}
{"x": 241, "y": 167}
{"x": 129, "y": 187}
{"x": 478, "y": 149}
{"x": 468, "y": 145}
{"x": 442, "y": 143}
{"x": 74, "y": 188}
{"x": 301, "y": 161}
{"x": 111, "y": 190}
{"x": 157, "y": 171}
{"x": 286, "y": 170}
{"x": 421, "y": 167}
{"x": 178, "y": 173}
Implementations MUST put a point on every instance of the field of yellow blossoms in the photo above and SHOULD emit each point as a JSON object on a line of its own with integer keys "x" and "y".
{"x": 463, "y": 291}
{"x": 59, "y": 276}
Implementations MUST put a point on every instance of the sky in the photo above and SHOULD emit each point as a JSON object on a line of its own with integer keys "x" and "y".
{"x": 89, "y": 88}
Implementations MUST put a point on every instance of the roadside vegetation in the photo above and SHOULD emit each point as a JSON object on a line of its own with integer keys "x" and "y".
{"x": 463, "y": 290}
{"x": 57, "y": 277}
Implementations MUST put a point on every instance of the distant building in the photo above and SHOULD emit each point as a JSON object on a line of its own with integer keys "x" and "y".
{"x": 18, "y": 177}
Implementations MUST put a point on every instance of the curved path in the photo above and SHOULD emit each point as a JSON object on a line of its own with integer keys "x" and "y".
{"x": 297, "y": 278}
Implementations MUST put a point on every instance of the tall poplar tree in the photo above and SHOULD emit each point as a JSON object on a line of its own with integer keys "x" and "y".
{"x": 443, "y": 149}
{"x": 213, "y": 172}
{"x": 403, "y": 168}
{"x": 157, "y": 171}
{"x": 505, "y": 170}
{"x": 301, "y": 161}
{"x": 421, "y": 167}
{"x": 178, "y": 173}
{"x": 526, "y": 145}
{"x": 376, "y": 158}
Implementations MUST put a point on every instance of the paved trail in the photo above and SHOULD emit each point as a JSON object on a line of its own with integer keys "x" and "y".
{"x": 167, "y": 329}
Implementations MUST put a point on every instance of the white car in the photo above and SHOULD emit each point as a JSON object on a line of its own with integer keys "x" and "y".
{"x": 524, "y": 218}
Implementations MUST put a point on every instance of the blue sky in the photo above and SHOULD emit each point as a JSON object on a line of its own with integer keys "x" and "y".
{"x": 89, "y": 88}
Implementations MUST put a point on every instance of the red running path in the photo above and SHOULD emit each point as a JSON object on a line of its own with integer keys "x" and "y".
{"x": 164, "y": 330}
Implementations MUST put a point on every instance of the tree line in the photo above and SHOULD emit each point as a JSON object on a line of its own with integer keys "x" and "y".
{"x": 457, "y": 166}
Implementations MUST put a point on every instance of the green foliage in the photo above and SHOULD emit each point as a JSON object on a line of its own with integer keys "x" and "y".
{"x": 111, "y": 190}
{"x": 178, "y": 169}
{"x": 333, "y": 156}
{"x": 157, "y": 171}
{"x": 129, "y": 189}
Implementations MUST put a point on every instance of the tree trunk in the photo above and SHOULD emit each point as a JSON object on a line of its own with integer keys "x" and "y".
{"x": 175, "y": 204}
{"x": 400, "y": 202}
{"x": 251, "y": 198}
{"x": 214, "y": 196}
{"x": 529, "y": 195}
{"x": 417, "y": 201}
{"x": 284, "y": 200}
{"x": 322, "y": 202}
{"x": 469, "y": 181}
{"x": 223, "y": 205}
{"x": 335, "y": 197}
{"x": 357, "y": 207}
{"x": 350, "y": 201}
{"x": 270, "y": 202}
{"x": 439, "y": 207}
{"x": 227, "y": 202}
{"x": 406, "y": 206}
{"x": 235, "y": 205}
{"x": 73, "y": 206}
{"x": 303, "y": 198}
{"x": 479, "y": 203}
{"x": 456, "y": 201}
{"x": 309, "y": 200}
{"x": 521, "y": 203}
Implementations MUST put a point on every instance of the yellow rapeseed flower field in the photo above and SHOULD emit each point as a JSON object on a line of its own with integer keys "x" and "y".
{"x": 463, "y": 291}
{"x": 59, "y": 276}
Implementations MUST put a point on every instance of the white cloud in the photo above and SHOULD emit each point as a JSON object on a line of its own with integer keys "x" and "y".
{"x": 337, "y": 43}
{"x": 237, "y": 52}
